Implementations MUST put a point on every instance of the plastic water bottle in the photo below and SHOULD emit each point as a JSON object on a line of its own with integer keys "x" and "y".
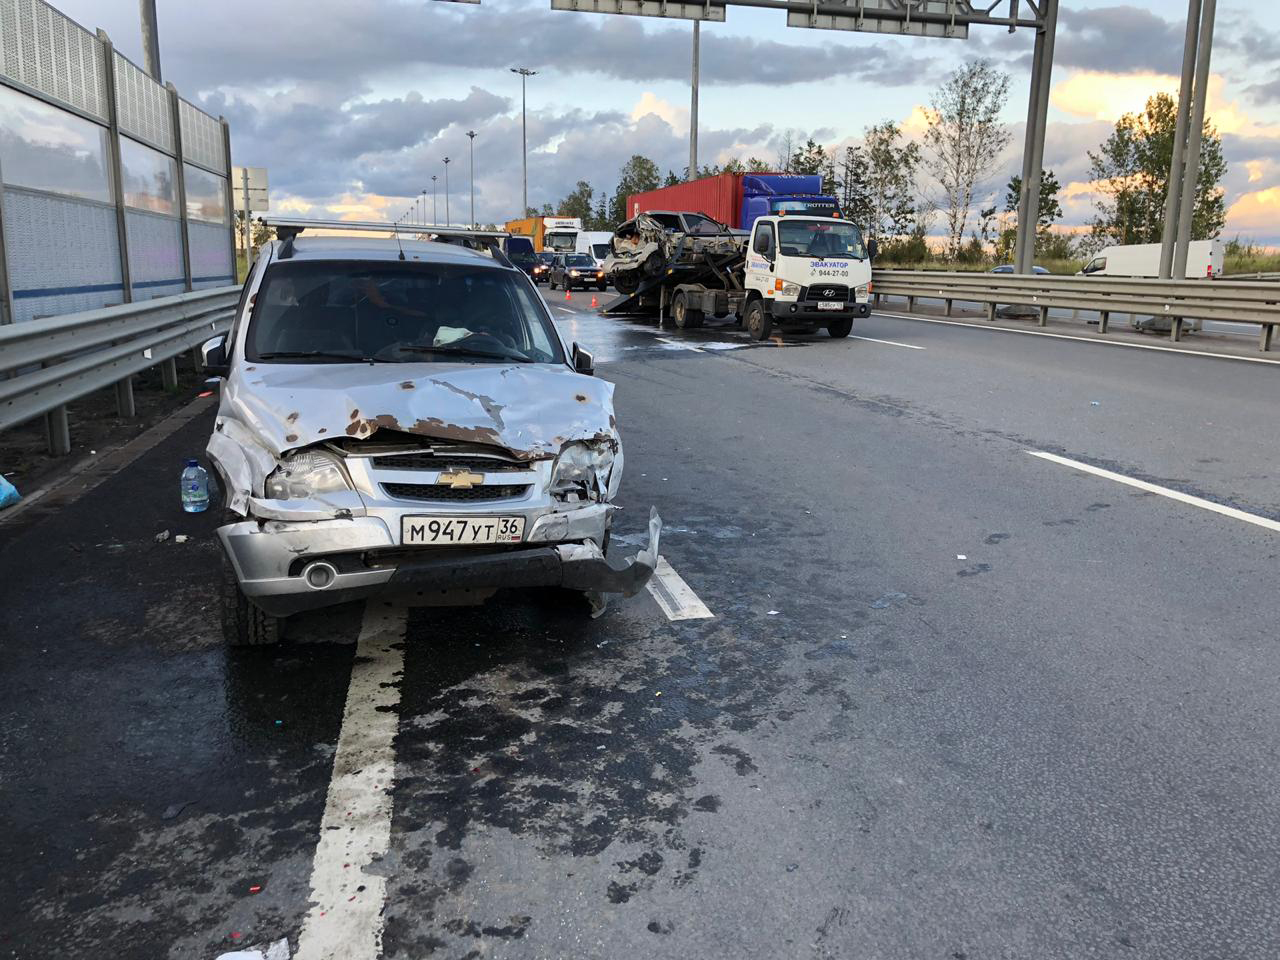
{"x": 195, "y": 488}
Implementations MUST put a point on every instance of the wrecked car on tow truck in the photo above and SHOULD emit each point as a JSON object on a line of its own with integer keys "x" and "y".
{"x": 404, "y": 417}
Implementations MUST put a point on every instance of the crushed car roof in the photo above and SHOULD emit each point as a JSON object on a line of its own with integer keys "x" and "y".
{"x": 385, "y": 248}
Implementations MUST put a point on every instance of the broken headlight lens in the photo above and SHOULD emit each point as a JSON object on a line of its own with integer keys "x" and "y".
{"x": 301, "y": 476}
{"x": 582, "y": 471}
{"x": 789, "y": 289}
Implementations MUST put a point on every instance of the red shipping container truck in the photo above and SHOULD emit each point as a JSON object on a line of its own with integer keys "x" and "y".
{"x": 737, "y": 199}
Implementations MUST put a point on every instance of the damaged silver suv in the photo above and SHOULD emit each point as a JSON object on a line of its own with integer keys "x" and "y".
{"x": 405, "y": 418}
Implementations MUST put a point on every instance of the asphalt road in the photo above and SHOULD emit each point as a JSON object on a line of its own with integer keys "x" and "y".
{"x": 955, "y": 701}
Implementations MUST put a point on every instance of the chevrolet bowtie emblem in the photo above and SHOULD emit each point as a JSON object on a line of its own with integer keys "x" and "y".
{"x": 461, "y": 479}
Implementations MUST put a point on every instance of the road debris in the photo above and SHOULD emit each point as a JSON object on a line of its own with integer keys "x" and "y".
{"x": 961, "y": 556}
{"x": 181, "y": 538}
{"x": 162, "y": 536}
{"x": 8, "y": 494}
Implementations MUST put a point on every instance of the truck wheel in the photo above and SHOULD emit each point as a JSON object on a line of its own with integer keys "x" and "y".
{"x": 243, "y": 624}
{"x": 840, "y": 328}
{"x": 626, "y": 282}
{"x": 757, "y": 320}
{"x": 686, "y": 317}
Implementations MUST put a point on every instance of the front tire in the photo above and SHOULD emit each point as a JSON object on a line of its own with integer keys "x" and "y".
{"x": 627, "y": 282}
{"x": 840, "y": 328}
{"x": 243, "y": 624}
{"x": 757, "y": 320}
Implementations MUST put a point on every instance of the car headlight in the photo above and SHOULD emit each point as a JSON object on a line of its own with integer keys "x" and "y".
{"x": 582, "y": 471}
{"x": 573, "y": 273}
{"x": 790, "y": 289}
{"x": 863, "y": 290}
{"x": 301, "y": 476}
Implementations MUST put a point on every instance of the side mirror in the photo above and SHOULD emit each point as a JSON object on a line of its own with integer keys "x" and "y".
{"x": 213, "y": 356}
{"x": 872, "y": 247}
{"x": 583, "y": 362}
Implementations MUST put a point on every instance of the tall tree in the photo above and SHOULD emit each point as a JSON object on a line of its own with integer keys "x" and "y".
{"x": 672, "y": 179}
{"x": 1050, "y": 208}
{"x": 965, "y": 137}
{"x": 636, "y": 176}
{"x": 1131, "y": 173}
{"x": 811, "y": 158}
{"x": 578, "y": 203}
{"x": 889, "y": 180}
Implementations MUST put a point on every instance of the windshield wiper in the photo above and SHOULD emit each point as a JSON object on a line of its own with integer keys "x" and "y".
{"x": 316, "y": 355}
{"x": 464, "y": 352}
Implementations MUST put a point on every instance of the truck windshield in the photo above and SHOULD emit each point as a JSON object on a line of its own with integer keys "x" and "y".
{"x": 397, "y": 312}
{"x": 819, "y": 238}
{"x": 560, "y": 242}
{"x": 600, "y": 250}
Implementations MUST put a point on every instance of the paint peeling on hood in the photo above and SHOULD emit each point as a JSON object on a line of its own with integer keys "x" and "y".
{"x": 531, "y": 410}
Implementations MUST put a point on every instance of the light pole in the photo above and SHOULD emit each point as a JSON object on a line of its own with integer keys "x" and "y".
{"x": 424, "y": 206}
{"x": 525, "y": 74}
{"x": 471, "y": 135}
{"x": 693, "y": 106}
{"x": 433, "y": 199}
{"x": 447, "y": 221}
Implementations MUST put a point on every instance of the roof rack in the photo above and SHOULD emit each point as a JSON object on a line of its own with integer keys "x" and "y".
{"x": 287, "y": 228}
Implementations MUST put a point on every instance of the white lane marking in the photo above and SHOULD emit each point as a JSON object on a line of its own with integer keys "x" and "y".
{"x": 674, "y": 596}
{"x": 1163, "y": 491}
{"x": 1068, "y": 336}
{"x": 345, "y": 923}
{"x": 678, "y": 344}
{"x": 892, "y": 343}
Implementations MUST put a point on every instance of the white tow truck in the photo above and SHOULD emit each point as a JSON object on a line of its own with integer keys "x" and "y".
{"x": 795, "y": 272}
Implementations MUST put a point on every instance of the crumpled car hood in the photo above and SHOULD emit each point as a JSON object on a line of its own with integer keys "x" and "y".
{"x": 529, "y": 409}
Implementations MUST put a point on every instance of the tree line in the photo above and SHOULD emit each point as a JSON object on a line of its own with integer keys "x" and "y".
{"x": 895, "y": 187}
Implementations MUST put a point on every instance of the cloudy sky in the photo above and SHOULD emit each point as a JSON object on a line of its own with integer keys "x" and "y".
{"x": 353, "y": 106}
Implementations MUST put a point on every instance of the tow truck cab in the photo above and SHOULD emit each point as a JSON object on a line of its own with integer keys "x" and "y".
{"x": 805, "y": 270}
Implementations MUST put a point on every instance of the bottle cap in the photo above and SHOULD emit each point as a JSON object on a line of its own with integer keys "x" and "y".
{"x": 193, "y": 462}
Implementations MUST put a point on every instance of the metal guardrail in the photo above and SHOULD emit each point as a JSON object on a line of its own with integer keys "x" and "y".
{"x": 55, "y": 360}
{"x": 1179, "y": 300}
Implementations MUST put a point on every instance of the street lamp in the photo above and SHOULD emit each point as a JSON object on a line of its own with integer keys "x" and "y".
{"x": 447, "y": 221}
{"x": 424, "y": 206}
{"x": 433, "y": 200}
{"x": 471, "y": 135}
{"x": 525, "y": 74}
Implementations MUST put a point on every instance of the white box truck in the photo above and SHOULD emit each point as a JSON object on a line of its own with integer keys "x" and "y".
{"x": 595, "y": 244}
{"x": 1204, "y": 260}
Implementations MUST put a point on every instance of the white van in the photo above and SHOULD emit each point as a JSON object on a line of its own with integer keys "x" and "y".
{"x": 594, "y": 243}
{"x": 1204, "y": 260}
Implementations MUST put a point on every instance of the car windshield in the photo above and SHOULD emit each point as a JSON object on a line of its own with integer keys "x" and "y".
{"x": 579, "y": 260}
{"x": 700, "y": 226}
{"x": 815, "y": 238}
{"x": 546, "y": 258}
{"x": 361, "y": 311}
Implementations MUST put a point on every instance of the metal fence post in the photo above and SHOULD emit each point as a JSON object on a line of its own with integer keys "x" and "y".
{"x": 125, "y": 407}
{"x": 231, "y": 203}
{"x": 59, "y": 429}
{"x": 179, "y": 157}
{"x": 6, "y": 292}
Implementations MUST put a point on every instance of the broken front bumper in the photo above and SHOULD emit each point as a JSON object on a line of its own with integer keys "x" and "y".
{"x": 279, "y": 565}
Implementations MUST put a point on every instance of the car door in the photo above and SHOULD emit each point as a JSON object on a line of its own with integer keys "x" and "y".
{"x": 760, "y": 257}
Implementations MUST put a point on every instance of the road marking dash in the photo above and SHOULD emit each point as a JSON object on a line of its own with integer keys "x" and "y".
{"x": 1068, "y": 336}
{"x": 892, "y": 343}
{"x": 1200, "y": 502}
{"x": 345, "y": 922}
{"x": 674, "y": 596}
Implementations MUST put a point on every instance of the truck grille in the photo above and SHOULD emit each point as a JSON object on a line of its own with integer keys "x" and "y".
{"x": 436, "y": 493}
{"x": 430, "y": 460}
{"x": 826, "y": 291}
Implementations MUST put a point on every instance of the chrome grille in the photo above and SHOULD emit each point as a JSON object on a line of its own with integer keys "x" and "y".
{"x": 440, "y": 493}
{"x": 430, "y": 460}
